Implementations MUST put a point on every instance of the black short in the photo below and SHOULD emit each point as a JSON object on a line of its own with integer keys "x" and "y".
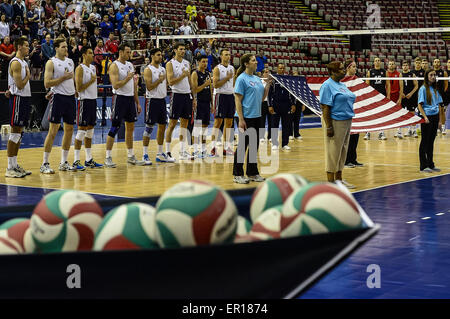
{"x": 87, "y": 112}
{"x": 123, "y": 108}
{"x": 409, "y": 104}
{"x": 203, "y": 112}
{"x": 155, "y": 111}
{"x": 180, "y": 106}
{"x": 19, "y": 110}
{"x": 62, "y": 106}
{"x": 224, "y": 106}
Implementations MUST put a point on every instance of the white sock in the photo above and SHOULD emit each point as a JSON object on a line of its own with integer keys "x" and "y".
{"x": 64, "y": 155}
{"x": 203, "y": 147}
{"x": 160, "y": 149}
{"x": 46, "y": 156}
{"x": 130, "y": 152}
{"x": 167, "y": 147}
{"x": 195, "y": 147}
{"x": 145, "y": 150}
{"x": 108, "y": 153}
{"x": 88, "y": 154}
{"x": 182, "y": 147}
{"x": 11, "y": 162}
{"x": 15, "y": 161}
{"x": 76, "y": 155}
{"x": 213, "y": 144}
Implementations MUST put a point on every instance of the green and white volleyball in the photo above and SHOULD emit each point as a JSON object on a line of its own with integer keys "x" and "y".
{"x": 18, "y": 231}
{"x": 268, "y": 224}
{"x": 129, "y": 226}
{"x": 274, "y": 191}
{"x": 327, "y": 208}
{"x": 193, "y": 213}
{"x": 65, "y": 220}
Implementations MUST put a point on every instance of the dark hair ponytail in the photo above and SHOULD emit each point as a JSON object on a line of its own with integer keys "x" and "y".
{"x": 427, "y": 85}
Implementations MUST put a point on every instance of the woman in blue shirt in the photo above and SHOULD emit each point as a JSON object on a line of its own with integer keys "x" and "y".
{"x": 249, "y": 93}
{"x": 429, "y": 101}
{"x": 336, "y": 101}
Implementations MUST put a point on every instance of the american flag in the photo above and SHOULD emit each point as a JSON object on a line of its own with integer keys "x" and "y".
{"x": 373, "y": 111}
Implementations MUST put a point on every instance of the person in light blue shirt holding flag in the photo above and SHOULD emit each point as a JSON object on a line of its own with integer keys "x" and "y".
{"x": 249, "y": 93}
{"x": 429, "y": 102}
{"x": 336, "y": 101}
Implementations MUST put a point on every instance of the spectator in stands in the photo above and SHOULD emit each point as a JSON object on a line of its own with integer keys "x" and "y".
{"x": 6, "y": 8}
{"x": 129, "y": 9}
{"x": 95, "y": 37}
{"x": 201, "y": 21}
{"x": 73, "y": 51}
{"x": 16, "y": 29}
{"x": 33, "y": 19}
{"x": 98, "y": 55}
{"x": 112, "y": 45}
{"x": 87, "y": 4}
{"x": 36, "y": 60}
{"x": 120, "y": 16}
{"x": 61, "y": 7}
{"x": 191, "y": 10}
{"x": 157, "y": 31}
{"x": 128, "y": 37}
{"x": 7, "y": 52}
{"x": 141, "y": 43}
{"x": 48, "y": 10}
{"x": 262, "y": 60}
{"x": 430, "y": 105}
{"x": 176, "y": 29}
{"x": 336, "y": 101}
{"x": 211, "y": 22}
{"x": 188, "y": 55}
{"x": 145, "y": 16}
{"x": 116, "y": 4}
{"x": 97, "y": 16}
{"x": 19, "y": 10}
{"x": 156, "y": 21}
{"x": 199, "y": 51}
{"x": 47, "y": 49}
{"x": 106, "y": 28}
{"x": 186, "y": 28}
{"x": 4, "y": 27}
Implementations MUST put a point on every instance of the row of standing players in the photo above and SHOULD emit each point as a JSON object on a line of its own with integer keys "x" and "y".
{"x": 191, "y": 99}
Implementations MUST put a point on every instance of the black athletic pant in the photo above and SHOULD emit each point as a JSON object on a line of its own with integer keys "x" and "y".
{"x": 266, "y": 114}
{"x": 286, "y": 128}
{"x": 244, "y": 143}
{"x": 426, "y": 148}
{"x": 295, "y": 117}
{"x": 351, "y": 152}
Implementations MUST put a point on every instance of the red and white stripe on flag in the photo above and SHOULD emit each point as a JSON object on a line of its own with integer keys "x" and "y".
{"x": 373, "y": 111}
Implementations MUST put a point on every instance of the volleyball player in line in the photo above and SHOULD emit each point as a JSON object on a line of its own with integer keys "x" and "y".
{"x": 155, "y": 106}
{"x": 59, "y": 77}
{"x": 442, "y": 86}
{"x": 86, "y": 86}
{"x": 410, "y": 88}
{"x": 19, "y": 105}
{"x": 125, "y": 104}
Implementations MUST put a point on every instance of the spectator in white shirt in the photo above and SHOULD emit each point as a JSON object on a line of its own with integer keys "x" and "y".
{"x": 211, "y": 22}
{"x": 185, "y": 28}
{"x": 4, "y": 27}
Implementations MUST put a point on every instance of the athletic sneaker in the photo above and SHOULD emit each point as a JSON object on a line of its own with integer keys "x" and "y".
{"x": 77, "y": 165}
{"x": 350, "y": 165}
{"x": 14, "y": 172}
{"x": 170, "y": 158}
{"x": 45, "y": 169}
{"x": 65, "y": 167}
{"x": 299, "y": 137}
{"x": 146, "y": 160}
{"x": 134, "y": 161}
{"x": 426, "y": 170}
{"x": 23, "y": 171}
{"x": 214, "y": 152}
{"x": 275, "y": 148}
{"x": 218, "y": 143}
{"x": 109, "y": 163}
{"x": 367, "y": 136}
{"x": 398, "y": 135}
{"x": 409, "y": 134}
{"x": 415, "y": 134}
{"x": 347, "y": 184}
{"x": 443, "y": 130}
{"x": 262, "y": 141}
{"x": 228, "y": 152}
{"x": 435, "y": 169}
{"x": 92, "y": 164}
{"x": 256, "y": 178}
{"x": 241, "y": 180}
{"x": 185, "y": 156}
{"x": 382, "y": 137}
{"x": 291, "y": 138}
{"x": 286, "y": 148}
{"x": 358, "y": 164}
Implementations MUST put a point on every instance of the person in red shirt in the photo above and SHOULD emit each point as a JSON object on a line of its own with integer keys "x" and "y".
{"x": 201, "y": 21}
{"x": 112, "y": 45}
{"x": 396, "y": 91}
{"x": 7, "y": 52}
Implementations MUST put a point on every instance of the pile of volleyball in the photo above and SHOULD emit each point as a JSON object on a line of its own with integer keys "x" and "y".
{"x": 191, "y": 213}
